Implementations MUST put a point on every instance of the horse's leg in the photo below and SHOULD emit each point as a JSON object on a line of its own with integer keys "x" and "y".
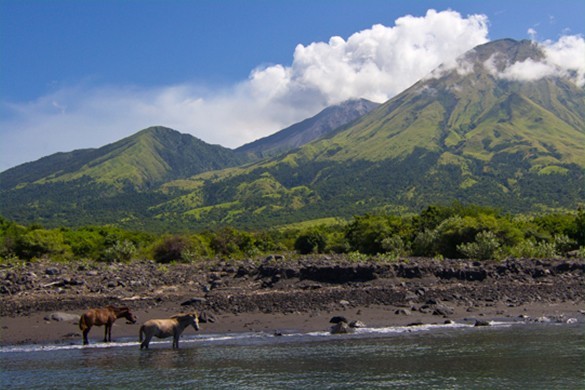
{"x": 85, "y": 333}
{"x": 106, "y": 333}
{"x": 146, "y": 341}
{"x": 176, "y": 340}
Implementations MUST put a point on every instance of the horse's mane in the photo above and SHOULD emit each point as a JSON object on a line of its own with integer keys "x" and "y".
{"x": 180, "y": 315}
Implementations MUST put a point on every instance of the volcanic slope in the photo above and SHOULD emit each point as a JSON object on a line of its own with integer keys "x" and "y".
{"x": 118, "y": 183}
{"x": 311, "y": 129}
{"x": 465, "y": 133}
{"x": 108, "y": 184}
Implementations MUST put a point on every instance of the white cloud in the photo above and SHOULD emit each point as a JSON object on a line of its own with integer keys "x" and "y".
{"x": 375, "y": 63}
{"x": 563, "y": 58}
{"x": 379, "y": 62}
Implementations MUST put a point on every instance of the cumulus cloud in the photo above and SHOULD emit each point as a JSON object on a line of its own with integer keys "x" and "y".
{"x": 376, "y": 63}
{"x": 563, "y": 58}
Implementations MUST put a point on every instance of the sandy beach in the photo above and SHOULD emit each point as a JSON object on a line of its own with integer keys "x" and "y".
{"x": 287, "y": 297}
{"x": 38, "y": 328}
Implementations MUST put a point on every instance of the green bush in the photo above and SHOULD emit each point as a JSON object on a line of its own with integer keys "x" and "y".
{"x": 485, "y": 247}
{"x": 425, "y": 243}
{"x": 230, "y": 242}
{"x": 85, "y": 243}
{"x": 120, "y": 251}
{"x": 455, "y": 231}
{"x": 185, "y": 249}
{"x": 532, "y": 249}
{"x": 444, "y": 231}
{"x": 170, "y": 249}
{"x": 310, "y": 242}
{"x": 367, "y": 233}
{"x": 395, "y": 246}
{"x": 39, "y": 243}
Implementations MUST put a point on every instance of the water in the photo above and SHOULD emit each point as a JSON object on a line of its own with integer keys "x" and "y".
{"x": 432, "y": 357}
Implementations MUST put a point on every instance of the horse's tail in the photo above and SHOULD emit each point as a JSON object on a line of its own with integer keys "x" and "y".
{"x": 82, "y": 324}
{"x": 141, "y": 333}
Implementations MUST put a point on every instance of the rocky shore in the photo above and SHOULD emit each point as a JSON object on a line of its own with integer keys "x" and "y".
{"x": 401, "y": 292}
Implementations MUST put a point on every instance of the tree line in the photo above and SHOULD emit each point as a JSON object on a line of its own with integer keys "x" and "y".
{"x": 454, "y": 231}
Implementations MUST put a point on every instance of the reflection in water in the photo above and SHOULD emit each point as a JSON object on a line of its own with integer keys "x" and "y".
{"x": 511, "y": 357}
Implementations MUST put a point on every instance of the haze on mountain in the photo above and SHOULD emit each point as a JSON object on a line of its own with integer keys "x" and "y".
{"x": 477, "y": 130}
{"x": 116, "y": 177}
{"x": 310, "y": 129}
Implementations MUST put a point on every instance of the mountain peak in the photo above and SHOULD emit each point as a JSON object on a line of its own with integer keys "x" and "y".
{"x": 146, "y": 158}
{"x": 471, "y": 133}
{"x": 505, "y": 52}
{"x": 311, "y": 129}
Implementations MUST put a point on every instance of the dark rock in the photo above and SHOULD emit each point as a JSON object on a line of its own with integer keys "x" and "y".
{"x": 52, "y": 271}
{"x": 205, "y": 318}
{"x": 409, "y": 271}
{"x": 338, "y": 274}
{"x": 194, "y": 301}
{"x": 573, "y": 254}
{"x": 425, "y": 309}
{"x": 404, "y": 312}
{"x": 338, "y": 319}
{"x": 481, "y": 323}
{"x": 443, "y": 310}
{"x": 421, "y": 291}
{"x": 341, "y": 328}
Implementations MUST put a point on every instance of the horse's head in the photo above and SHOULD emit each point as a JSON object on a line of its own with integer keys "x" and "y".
{"x": 195, "y": 321}
{"x": 130, "y": 317}
{"x": 188, "y": 319}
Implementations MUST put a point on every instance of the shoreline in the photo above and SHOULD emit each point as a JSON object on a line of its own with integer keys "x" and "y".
{"x": 279, "y": 297}
{"x": 38, "y": 329}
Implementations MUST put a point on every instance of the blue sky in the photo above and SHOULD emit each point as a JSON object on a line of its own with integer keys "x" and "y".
{"x": 77, "y": 74}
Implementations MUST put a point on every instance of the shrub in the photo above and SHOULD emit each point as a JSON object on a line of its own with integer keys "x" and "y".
{"x": 186, "y": 249}
{"x": 119, "y": 252}
{"x": 394, "y": 246}
{"x": 233, "y": 243}
{"x": 533, "y": 249}
{"x": 425, "y": 243}
{"x": 37, "y": 243}
{"x": 366, "y": 234}
{"x": 170, "y": 249}
{"x": 310, "y": 242}
{"x": 485, "y": 247}
{"x": 453, "y": 232}
{"x": 563, "y": 244}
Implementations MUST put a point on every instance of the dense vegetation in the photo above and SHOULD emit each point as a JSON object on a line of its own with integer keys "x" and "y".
{"x": 455, "y": 231}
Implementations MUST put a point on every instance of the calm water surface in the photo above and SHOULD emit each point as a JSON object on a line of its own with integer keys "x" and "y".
{"x": 432, "y": 357}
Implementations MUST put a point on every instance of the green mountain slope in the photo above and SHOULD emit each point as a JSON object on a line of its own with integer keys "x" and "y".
{"x": 147, "y": 158}
{"x": 310, "y": 129}
{"x": 463, "y": 134}
{"x": 111, "y": 184}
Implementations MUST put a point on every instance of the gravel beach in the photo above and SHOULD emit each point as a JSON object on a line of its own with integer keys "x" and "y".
{"x": 42, "y": 300}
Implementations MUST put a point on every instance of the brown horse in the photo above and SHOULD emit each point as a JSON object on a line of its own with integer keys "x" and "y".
{"x": 104, "y": 316}
{"x": 173, "y": 326}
